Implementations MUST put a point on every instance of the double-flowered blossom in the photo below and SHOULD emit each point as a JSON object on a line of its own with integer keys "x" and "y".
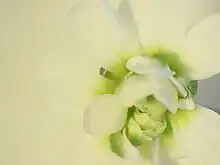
{"x": 146, "y": 57}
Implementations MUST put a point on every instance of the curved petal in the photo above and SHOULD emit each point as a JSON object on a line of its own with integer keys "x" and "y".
{"x": 198, "y": 141}
{"x": 104, "y": 115}
{"x": 97, "y": 31}
{"x": 134, "y": 89}
{"x": 158, "y": 22}
{"x": 178, "y": 86}
{"x": 166, "y": 93}
{"x": 167, "y": 21}
{"x": 147, "y": 66}
{"x": 193, "y": 14}
{"x": 201, "y": 48}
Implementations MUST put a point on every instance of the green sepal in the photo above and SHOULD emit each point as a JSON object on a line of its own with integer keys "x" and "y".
{"x": 193, "y": 87}
{"x": 117, "y": 144}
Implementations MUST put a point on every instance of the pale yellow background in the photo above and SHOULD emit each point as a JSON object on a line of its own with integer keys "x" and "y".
{"x": 33, "y": 132}
{"x": 34, "y": 129}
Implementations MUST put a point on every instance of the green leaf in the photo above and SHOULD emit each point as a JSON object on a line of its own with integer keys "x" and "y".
{"x": 117, "y": 144}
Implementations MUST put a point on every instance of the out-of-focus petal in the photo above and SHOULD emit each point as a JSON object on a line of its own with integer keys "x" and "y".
{"x": 98, "y": 32}
{"x": 158, "y": 22}
{"x": 201, "y": 48}
{"x": 196, "y": 137}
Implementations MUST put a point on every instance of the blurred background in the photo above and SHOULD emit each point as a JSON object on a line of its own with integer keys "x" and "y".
{"x": 209, "y": 93}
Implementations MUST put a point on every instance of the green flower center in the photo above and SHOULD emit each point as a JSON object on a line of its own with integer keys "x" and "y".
{"x": 149, "y": 114}
{"x": 147, "y": 119}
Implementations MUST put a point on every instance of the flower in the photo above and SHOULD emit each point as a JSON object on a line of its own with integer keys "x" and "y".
{"x": 145, "y": 58}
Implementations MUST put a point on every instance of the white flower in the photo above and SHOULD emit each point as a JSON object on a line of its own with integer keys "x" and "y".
{"x": 144, "y": 58}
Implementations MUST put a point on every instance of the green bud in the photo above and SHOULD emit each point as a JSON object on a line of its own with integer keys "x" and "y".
{"x": 150, "y": 133}
{"x": 135, "y": 134}
{"x": 143, "y": 120}
{"x": 160, "y": 126}
{"x": 156, "y": 110}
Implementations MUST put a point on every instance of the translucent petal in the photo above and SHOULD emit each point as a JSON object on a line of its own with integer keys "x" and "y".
{"x": 104, "y": 115}
{"x": 201, "y": 48}
{"x": 197, "y": 138}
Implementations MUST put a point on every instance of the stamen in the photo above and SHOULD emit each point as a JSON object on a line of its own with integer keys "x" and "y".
{"x": 103, "y": 71}
{"x": 107, "y": 74}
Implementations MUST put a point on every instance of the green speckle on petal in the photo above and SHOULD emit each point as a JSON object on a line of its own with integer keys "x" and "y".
{"x": 117, "y": 144}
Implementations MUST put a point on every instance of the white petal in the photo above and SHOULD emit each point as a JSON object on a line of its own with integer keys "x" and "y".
{"x": 89, "y": 151}
{"x": 134, "y": 89}
{"x": 186, "y": 104}
{"x": 147, "y": 66}
{"x": 142, "y": 64}
{"x": 197, "y": 141}
{"x": 178, "y": 85}
{"x": 158, "y": 21}
{"x": 104, "y": 115}
{"x": 201, "y": 48}
{"x": 98, "y": 32}
{"x": 165, "y": 92}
